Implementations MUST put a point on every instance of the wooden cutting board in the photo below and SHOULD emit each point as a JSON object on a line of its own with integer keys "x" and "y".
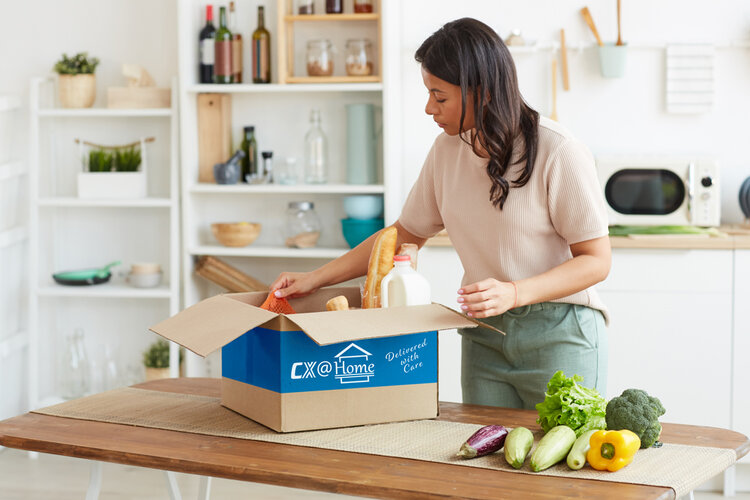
{"x": 214, "y": 133}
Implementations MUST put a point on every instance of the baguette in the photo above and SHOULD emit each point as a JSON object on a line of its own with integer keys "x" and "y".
{"x": 410, "y": 249}
{"x": 338, "y": 303}
{"x": 380, "y": 264}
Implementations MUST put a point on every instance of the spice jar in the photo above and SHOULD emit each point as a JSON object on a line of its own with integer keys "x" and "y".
{"x": 305, "y": 7}
{"x": 362, "y": 6}
{"x": 319, "y": 58}
{"x": 302, "y": 225}
{"x": 358, "y": 57}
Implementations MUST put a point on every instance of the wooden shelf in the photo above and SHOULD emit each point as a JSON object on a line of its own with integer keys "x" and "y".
{"x": 313, "y": 86}
{"x": 332, "y": 79}
{"x": 205, "y": 188}
{"x": 333, "y": 17}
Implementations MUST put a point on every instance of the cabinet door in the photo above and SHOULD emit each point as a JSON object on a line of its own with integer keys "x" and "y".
{"x": 442, "y": 267}
{"x": 671, "y": 330}
{"x": 740, "y": 397}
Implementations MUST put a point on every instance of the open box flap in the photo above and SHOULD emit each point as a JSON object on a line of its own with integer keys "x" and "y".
{"x": 341, "y": 326}
{"x": 212, "y": 323}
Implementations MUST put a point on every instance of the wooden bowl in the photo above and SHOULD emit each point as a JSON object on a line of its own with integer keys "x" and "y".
{"x": 236, "y": 234}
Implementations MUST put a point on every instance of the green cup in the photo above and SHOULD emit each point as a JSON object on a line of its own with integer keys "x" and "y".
{"x": 612, "y": 59}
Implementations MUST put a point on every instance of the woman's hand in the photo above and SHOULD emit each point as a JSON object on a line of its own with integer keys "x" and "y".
{"x": 292, "y": 285}
{"x": 487, "y": 298}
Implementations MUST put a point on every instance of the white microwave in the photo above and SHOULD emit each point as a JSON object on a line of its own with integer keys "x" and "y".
{"x": 657, "y": 190}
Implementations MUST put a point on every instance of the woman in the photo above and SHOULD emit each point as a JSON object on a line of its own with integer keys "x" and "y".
{"x": 520, "y": 199}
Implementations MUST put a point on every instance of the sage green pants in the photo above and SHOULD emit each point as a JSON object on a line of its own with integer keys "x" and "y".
{"x": 512, "y": 370}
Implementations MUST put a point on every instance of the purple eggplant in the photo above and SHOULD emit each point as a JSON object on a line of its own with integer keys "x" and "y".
{"x": 486, "y": 440}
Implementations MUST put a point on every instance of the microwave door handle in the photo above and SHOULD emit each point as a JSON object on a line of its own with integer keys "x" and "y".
{"x": 691, "y": 191}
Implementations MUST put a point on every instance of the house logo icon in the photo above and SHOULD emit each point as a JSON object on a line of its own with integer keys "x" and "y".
{"x": 352, "y": 365}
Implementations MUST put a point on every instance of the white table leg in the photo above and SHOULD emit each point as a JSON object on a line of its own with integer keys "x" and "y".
{"x": 95, "y": 481}
{"x": 204, "y": 488}
{"x": 174, "y": 488}
{"x": 730, "y": 476}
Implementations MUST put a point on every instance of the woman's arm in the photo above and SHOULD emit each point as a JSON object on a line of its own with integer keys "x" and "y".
{"x": 352, "y": 264}
{"x": 590, "y": 264}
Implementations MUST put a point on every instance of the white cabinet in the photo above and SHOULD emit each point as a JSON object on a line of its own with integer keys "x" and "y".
{"x": 280, "y": 114}
{"x": 671, "y": 330}
{"x": 741, "y": 348}
{"x": 69, "y": 233}
{"x": 13, "y": 262}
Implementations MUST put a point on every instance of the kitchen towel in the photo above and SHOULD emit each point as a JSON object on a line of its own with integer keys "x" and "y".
{"x": 680, "y": 467}
{"x": 690, "y": 78}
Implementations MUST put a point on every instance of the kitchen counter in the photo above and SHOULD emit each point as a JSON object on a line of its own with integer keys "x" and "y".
{"x": 732, "y": 237}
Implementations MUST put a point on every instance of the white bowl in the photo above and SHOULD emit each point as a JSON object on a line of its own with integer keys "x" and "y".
{"x": 363, "y": 206}
{"x": 144, "y": 280}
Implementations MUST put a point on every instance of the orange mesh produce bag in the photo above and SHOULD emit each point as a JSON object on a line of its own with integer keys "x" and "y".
{"x": 277, "y": 305}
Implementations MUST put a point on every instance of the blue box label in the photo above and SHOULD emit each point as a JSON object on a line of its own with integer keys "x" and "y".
{"x": 292, "y": 362}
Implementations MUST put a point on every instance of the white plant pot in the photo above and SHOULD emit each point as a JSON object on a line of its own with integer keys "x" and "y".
{"x": 112, "y": 185}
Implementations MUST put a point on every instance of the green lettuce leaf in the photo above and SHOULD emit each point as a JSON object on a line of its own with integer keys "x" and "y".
{"x": 568, "y": 403}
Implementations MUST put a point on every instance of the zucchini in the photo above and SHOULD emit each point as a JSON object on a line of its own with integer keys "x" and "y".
{"x": 517, "y": 446}
{"x": 552, "y": 448}
{"x": 577, "y": 456}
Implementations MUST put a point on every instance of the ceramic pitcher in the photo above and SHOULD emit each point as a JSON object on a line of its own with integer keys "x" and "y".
{"x": 361, "y": 141}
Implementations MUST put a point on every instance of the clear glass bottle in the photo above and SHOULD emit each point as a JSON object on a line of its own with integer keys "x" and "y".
{"x": 74, "y": 367}
{"x": 359, "y": 57}
{"x": 319, "y": 58}
{"x": 302, "y": 225}
{"x": 316, "y": 151}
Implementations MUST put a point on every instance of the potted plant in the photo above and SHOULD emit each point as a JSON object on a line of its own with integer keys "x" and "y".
{"x": 112, "y": 171}
{"x": 156, "y": 360}
{"x": 77, "y": 82}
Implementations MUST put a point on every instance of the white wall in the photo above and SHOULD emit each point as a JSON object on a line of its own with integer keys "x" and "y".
{"x": 35, "y": 34}
{"x": 625, "y": 115}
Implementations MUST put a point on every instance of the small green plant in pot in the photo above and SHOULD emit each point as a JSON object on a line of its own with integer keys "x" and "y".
{"x": 77, "y": 82}
{"x": 156, "y": 360}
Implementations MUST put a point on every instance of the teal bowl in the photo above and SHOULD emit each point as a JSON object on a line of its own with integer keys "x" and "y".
{"x": 358, "y": 230}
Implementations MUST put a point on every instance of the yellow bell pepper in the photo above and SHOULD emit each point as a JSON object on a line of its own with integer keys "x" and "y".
{"x": 612, "y": 450}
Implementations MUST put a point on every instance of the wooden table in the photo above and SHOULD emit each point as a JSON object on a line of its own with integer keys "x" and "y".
{"x": 327, "y": 470}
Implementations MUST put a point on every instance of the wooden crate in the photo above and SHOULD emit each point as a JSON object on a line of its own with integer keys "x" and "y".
{"x": 287, "y": 19}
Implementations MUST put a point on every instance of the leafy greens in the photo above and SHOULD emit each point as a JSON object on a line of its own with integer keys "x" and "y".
{"x": 568, "y": 403}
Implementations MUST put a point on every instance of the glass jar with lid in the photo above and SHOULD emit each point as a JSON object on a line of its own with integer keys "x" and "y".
{"x": 359, "y": 57}
{"x": 362, "y": 6}
{"x": 302, "y": 225}
{"x": 320, "y": 58}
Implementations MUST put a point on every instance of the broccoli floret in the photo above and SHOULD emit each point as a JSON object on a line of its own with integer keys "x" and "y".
{"x": 635, "y": 410}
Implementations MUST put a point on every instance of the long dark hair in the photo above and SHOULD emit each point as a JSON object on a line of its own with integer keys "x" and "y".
{"x": 471, "y": 55}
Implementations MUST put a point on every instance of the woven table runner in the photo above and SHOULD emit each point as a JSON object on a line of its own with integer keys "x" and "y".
{"x": 680, "y": 467}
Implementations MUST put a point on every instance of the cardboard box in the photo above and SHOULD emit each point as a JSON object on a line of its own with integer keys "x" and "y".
{"x": 319, "y": 369}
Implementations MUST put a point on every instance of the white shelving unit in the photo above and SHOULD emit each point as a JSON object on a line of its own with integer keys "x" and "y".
{"x": 14, "y": 337}
{"x": 280, "y": 113}
{"x": 67, "y": 232}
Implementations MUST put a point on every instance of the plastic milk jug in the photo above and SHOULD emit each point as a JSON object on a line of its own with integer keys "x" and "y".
{"x": 403, "y": 286}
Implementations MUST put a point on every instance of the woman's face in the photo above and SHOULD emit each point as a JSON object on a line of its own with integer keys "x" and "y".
{"x": 444, "y": 104}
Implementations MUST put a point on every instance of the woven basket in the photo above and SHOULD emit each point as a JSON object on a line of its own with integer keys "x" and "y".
{"x": 77, "y": 91}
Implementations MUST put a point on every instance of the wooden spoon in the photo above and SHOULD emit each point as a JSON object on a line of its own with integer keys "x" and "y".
{"x": 619, "y": 36}
{"x": 553, "y": 114}
{"x": 590, "y": 21}
{"x": 564, "y": 61}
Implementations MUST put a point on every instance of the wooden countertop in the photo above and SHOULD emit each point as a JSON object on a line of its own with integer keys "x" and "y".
{"x": 732, "y": 237}
{"x": 329, "y": 470}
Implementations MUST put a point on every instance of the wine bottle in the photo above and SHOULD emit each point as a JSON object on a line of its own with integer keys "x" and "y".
{"x": 236, "y": 45}
{"x": 206, "y": 47}
{"x": 250, "y": 171}
{"x": 261, "y": 51}
{"x": 223, "y": 52}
